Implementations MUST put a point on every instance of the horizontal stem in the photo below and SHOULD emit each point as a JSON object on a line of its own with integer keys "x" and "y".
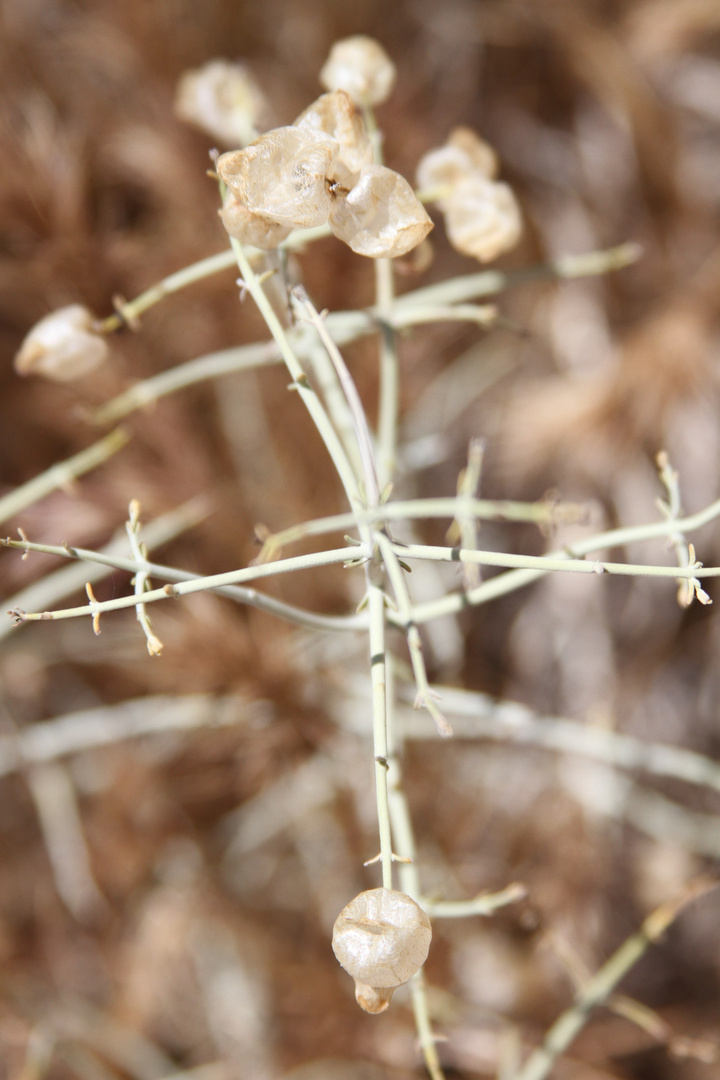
{"x": 187, "y": 588}
{"x": 547, "y": 563}
{"x": 62, "y": 474}
{"x": 602, "y": 984}
{"x": 490, "y": 282}
{"x": 243, "y": 595}
{"x": 540, "y": 513}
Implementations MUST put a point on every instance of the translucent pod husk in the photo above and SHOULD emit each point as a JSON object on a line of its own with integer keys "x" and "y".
{"x": 360, "y": 66}
{"x": 335, "y": 115}
{"x": 283, "y": 176}
{"x": 221, "y": 98}
{"x": 382, "y": 939}
{"x": 62, "y": 346}
{"x": 381, "y": 216}
{"x": 465, "y": 154}
{"x": 251, "y": 228}
{"x": 482, "y": 218}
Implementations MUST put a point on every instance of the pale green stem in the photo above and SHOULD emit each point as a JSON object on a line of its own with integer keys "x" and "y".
{"x": 389, "y": 403}
{"x": 111, "y": 561}
{"x": 328, "y": 386}
{"x": 212, "y": 366}
{"x": 374, "y": 579}
{"x": 128, "y": 312}
{"x": 424, "y": 697}
{"x": 540, "y": 513}
{"x": 404, "y": 841}
{"x": 388, "y": 407}
{"x": 310, "y": 400}
{"x": 423, "y": 1024}
{"x": 602, "y": 984}
{"x": 485, "y": 904}
{"x": 488, "y": 282}
{"x": 516, "y": 579}
{"x": 187, "y": 588}
{"x": 62, "y": 474}
{"x": 356, "y": 413}
{"x": 414, "y": 307}
{"x": 376, "y": 605}
{"x": 482, "y": 314}
{"x": 141, "y": 579}
{"x": 548, "y": 562}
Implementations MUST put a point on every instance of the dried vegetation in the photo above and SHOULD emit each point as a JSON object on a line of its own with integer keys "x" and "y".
{"x": 173, "y": 859}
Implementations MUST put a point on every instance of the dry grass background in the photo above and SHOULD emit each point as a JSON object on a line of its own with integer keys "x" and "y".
{"x": 220, "y": 857}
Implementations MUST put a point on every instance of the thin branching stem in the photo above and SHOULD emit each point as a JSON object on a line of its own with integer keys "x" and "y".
{"x": 187, "y": 588}
{"x": 300, "y": 381}
{"x": 603, "y": 983}
{"x": 111, "y": 561}
{"x": 543, "y": 513}
{"x": 62, "y": 474}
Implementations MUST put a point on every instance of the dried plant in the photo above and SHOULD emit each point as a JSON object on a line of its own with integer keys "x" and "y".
{"x": 279, "y": 192}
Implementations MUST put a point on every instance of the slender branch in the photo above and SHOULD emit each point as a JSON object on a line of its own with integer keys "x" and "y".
{"x": 310, "y": 400}
{"x": 544, "y": 513}
{"x": 550, "y": 562}
{"x": 425, "y": 697}
{"x": 111, "y": 561}
{"x": 62, "y": 474}
{"x": 484, "y": 904}
{"x": 141, "y": 579}
{"x": 516, "y": 579}
{"x": 127, "y": 313}
{"x": 478, "y": 716}
{"x": 602, "y": 984}
{"x": 187, "y": 588}
{"x": 488, "y": 282}
{"x": 212, "y": 366}
{"x": 440, "y": 302}
{"x": 352, "y": 398}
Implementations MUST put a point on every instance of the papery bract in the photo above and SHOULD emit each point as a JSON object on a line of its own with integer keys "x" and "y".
{"x": 283, "y": 176}
{"x": 382, "y": 939}
{"x": 482, "y": 218}
{"x": 381, "y": 216}
{"x": 335, "y": 115}
{"x": 464, "y": 154}
{"x": 360, "y": 66}
{"x": 62, "y": 346}
{"x": 251, "y": 228}
{"x": 222, "y": 99}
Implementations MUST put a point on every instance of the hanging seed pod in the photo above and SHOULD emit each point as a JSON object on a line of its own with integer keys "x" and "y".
{"x": 62, "y": 346}
{"x": 251, "y": 228}
{"x": 380, "y": 217}
{"x": 221, "y": 98}
{"x": 282, "y": 176}
{"x": 335, "y": 115}
{"x": 360, "y": 66}
{"x": 464, "y": 154}
{"x": 482, "y": 218}
{"x": 382, "y": 939}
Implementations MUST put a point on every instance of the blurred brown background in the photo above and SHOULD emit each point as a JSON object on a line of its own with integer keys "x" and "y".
{"x": 185, "y": 924}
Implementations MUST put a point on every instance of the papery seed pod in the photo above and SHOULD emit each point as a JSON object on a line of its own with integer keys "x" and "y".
{"x": 360, "y": 66}
{"x": 222, "y": 99}
{"x": 283, "y": 176}
{"x": 335, "y": 115}
{"x": 382, "y": 939}
{"x": 251, "y": 228}
{"x": 62, "y": 346}
{"x": 381, "y": 216}
{"x": 482, "y": 218}
{"x": 464, "y": 155}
